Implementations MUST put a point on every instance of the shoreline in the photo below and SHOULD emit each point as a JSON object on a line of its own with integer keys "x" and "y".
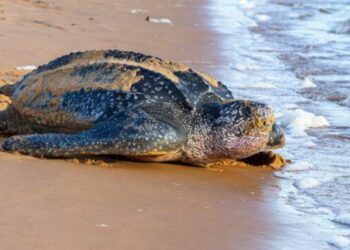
{"x": 56, "y": 204}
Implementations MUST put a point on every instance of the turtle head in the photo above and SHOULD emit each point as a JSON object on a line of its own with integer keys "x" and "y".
{"x": 276, "y": 137}
{"x": 237, "y": 129}
{"x": 243, "y": 128}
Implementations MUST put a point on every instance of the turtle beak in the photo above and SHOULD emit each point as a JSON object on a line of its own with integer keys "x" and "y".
{"x": 277, "y": 138}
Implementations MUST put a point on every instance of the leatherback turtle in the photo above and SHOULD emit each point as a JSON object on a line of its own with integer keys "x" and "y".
{"x": 112, "y": 102}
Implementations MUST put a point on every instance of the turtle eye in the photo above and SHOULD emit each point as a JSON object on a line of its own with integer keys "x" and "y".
{"x": 247, "y": 111}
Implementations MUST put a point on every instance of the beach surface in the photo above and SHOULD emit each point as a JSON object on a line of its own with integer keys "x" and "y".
{"x": 57, "y": 204}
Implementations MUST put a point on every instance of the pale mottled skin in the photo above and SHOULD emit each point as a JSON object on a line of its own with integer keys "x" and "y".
{"x": 125, "y": 103}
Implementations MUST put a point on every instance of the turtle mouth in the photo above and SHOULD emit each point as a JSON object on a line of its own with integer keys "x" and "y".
{"x": 277, "y": 138}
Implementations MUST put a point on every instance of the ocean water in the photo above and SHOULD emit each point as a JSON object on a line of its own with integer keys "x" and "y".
{"x": 295, "y": 56}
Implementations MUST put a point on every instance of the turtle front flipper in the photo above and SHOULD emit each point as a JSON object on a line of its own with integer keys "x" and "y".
{"x": 8, "y": 118}
{"x": 132, "y": 133}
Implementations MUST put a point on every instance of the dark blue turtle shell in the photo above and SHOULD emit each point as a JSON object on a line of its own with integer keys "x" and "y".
{"x": 76, "y": 90}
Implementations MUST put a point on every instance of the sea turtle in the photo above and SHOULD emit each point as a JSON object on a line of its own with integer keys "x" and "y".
{"x": 112, "y": 102}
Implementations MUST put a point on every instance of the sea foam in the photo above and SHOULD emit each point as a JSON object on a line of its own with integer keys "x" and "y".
{"x": 298, "y": 166}
{"x": 244, "y": 67}
{"x": 262, "y": 17}
{"x": 346, "y": 102}
{"x": 298, "y": 120}
{"x": 308, "y": 83}
{"x": 309, "y": 144}
{"x": 306, "y": 183}
{"x": 283, "y": 175}
{"x": 258, "y": 85}
{"x": 247, "y": 4}
{"x": 343, "y": 219}
{"x": 339, "y": 241}
{"x": 341, "y": 27}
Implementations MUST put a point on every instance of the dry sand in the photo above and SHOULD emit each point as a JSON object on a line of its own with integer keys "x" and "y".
{"x": 56, "y": 204}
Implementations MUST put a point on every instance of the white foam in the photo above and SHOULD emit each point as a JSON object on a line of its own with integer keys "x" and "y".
{"x": 291, "y": 106}
{"x": 306, "y": 183}
{"x": 343, "y": 219}
{"x": 257, "y": 85}
{"x": 346, "y": 102}
{"x": 297, "y": 131}
{"x": 341, "y": 27}
{"x": 27, "y": 67}
{"x": 308, "y": 83}
{"x": 262, "y": 17}
{"x": 244, "y": 67}
{"x": 262, "y": 85}
{"x": 282, "y": 175}
{"x": 247, "y": 4}
{"x": 309, "y": 144}
{"x": 159, "y": 20}
{"x": 297, "y": 121}
{"x": 298, "y": 166}
{"x": 278, "y": 115}
{"x": 339, "y": 241}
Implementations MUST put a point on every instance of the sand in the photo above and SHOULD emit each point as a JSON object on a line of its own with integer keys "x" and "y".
{"x": 60, "y": 205}
{"x": 57, "y": 204}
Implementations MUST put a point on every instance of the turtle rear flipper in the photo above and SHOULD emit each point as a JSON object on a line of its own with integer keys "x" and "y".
{"x": 8, "y": 89}
{"x": 131, "y": 133}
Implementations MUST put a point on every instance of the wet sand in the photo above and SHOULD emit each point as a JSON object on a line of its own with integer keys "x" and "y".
{"x": 52, "y": 204}
{"x": 56, "y": 204}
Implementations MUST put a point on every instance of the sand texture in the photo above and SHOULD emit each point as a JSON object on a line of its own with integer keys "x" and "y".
{"x": 112, "y": 204}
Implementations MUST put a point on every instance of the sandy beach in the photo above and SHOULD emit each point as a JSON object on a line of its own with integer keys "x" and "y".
{"x": 57, "y": 204}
